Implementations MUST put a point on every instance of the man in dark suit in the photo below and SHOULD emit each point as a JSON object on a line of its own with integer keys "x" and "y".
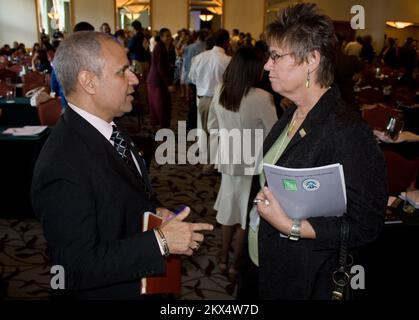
{"x": 90, "y": 185}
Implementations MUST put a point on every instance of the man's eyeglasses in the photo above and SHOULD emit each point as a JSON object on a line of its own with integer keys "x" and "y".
{"x": 276, "y": 56}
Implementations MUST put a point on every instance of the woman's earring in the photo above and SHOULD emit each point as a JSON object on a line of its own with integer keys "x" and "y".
{"x": 308, "y": 79}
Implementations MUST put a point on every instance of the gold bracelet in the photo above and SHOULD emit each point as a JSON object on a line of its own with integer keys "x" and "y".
{"x": 164, "y": 242}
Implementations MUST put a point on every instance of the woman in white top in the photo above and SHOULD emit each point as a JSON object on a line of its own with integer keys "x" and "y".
{"x": 238, "y": 105}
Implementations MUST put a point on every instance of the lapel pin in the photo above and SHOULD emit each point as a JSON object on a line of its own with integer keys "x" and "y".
{"x": 302, "y": 133}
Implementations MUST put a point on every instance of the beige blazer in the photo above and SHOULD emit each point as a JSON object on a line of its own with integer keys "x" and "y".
{"x": 233, "y": 149}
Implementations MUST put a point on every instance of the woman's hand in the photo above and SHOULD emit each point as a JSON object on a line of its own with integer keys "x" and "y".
{"x": 273, "y": 212}
{"x": 276, "y": 216}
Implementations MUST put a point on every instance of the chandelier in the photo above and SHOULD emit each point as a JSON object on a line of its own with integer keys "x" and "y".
{"x": 399, "y": 24}
{"x": 206, "y": 17}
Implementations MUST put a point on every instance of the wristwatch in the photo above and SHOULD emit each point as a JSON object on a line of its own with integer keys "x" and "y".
{"x": 295, "y": 230}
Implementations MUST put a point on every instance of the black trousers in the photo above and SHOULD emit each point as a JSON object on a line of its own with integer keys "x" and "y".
{"x": 248, "y": 281}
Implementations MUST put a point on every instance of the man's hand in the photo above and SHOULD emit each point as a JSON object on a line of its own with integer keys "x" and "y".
{"x": 183, "y": 237}
{"x": 164, "y": 213}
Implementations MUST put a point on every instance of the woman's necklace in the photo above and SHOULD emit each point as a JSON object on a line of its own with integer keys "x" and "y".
{"x": 289, "y": 131}
{"x": 293, "y": 123}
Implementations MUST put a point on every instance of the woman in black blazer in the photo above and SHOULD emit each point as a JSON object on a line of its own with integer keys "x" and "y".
{"x": 320, "y": 130}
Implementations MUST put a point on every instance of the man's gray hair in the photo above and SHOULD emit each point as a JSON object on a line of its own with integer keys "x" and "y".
{"x": 82, "y": 51}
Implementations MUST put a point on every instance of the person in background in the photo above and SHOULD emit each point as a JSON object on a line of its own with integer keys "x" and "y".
{"x": 234, "y": 42}
{"x": 389, "y": 53}
{"x": 346, "y": 67}
{"x": 14, "y": 48}
{"x": 44, "y": 36}
{"x": 139, "y": 55}
{"x": 153, "y": 40}
{"x": 248, "y": 40}
{"x": 367, "y": 50}
{"x": 35, "y": 48}
{"x": 353, "y": 48}
{"x": 121, "y": 37}
{"x": 191, "y": 51}
{"x": 40, "y": 62}
{"x": 288, "y": 258}
{"x": 160, "y": 83}
{"x": 57, "y": 37}
{"x": 206, "y": 72}
{"x": 407, "y": 60}
{"x": 105, "y": 28}
{"x": 180, "y": 45}
{"x": 238, "y": 105}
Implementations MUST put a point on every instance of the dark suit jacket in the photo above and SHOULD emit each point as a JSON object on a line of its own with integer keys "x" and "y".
{"x": 91, "y": 206}
{"x": 335, "y": 134}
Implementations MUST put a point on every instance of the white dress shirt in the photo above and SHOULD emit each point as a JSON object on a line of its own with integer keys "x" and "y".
{"x": 105, "y": 128}
{"x": 207, "y": 70}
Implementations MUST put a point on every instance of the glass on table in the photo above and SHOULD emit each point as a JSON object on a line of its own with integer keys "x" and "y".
{"x": 394, "y": 126}
{"x": 10, "y": 95}
{"x": 411, "y": 194}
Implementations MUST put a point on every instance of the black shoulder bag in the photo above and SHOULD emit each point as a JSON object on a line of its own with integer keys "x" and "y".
{"x": 342, "y": 276}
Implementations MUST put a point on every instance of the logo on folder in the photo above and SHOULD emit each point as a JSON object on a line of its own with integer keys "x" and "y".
{"x": 311, "y": 184}
{"x": 290, "y": 185}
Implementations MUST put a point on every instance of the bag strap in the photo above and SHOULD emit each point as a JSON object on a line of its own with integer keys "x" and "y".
{"x": 343, "y": 253}
{"x": 341, "y": 276}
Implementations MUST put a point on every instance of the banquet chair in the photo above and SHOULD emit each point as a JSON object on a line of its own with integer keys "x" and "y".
{"x": 404, "y": 95}
{"x": 6, "y": 73}
{"x": 4, "y": 88}
{"x": 401, "y": 172}
{"x": 370, "y": 95}
{"x": 32, "y": 80}
{"x": 16, "y": 68}
{"x": 368, "y": 78}
{"x": 49, "y": 112}
{"x": 377, "y": 118}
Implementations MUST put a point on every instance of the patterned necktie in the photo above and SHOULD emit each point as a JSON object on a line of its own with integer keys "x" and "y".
{"x": 123, "y": 149}
{"x": 121, "y": 146}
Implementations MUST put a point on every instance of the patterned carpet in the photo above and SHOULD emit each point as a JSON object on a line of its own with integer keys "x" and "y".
{"x": 24, "y": 262}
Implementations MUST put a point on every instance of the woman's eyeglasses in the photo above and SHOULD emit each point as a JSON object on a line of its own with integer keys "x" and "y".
{"x": 276, "y": 56}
